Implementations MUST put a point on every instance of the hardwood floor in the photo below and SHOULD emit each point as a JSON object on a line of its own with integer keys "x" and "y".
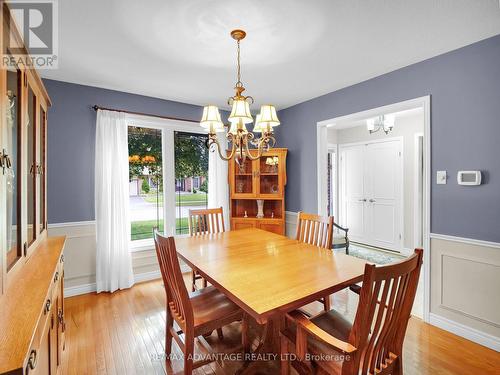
{"x": 123, "y": 333}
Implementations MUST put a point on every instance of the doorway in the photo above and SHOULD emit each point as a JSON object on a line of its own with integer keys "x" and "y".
{"x": 376, "y": 168}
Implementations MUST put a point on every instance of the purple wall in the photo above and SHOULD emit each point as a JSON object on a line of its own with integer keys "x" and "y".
{"x": 71, "y": 141}
{"x": 465, "y": 124}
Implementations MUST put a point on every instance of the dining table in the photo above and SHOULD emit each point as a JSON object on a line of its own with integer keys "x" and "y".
{"x": 267, "y": 274}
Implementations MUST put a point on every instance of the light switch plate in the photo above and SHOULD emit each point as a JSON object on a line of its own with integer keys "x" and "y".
{"x": 441, "y": 177}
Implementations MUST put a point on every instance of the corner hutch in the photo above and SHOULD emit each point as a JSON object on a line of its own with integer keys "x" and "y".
{"x": 259, "y": 182}
{"x": 31, "y": 264}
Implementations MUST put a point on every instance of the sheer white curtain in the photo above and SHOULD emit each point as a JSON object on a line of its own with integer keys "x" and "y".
{"x": 218, "y": 188}
{"x": 113, "y": 258}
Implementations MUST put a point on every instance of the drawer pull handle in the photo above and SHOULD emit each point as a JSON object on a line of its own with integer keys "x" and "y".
{"x": 48, "y": 304}
{"x": 60, "y": 316}
{"x": 32, "y": 360}
{"x": 56, "y": 276}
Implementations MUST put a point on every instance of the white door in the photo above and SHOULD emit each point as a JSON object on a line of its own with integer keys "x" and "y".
{"x": 371, "y": 179}
{"x": 383, "y": 192}
{"x": 352, "y": 167}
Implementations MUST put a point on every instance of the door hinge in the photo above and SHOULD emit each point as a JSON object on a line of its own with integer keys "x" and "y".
{"x": 399, "y": 235}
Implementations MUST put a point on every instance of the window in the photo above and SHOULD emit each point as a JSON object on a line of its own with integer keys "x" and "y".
{"x": 191, "y": 165}
{"x": 145, "y": 182}
{"x": 168, "y": 176}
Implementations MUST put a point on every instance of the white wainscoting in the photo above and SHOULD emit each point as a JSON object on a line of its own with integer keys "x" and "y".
{"x": 290, "y": 223}
{"x": 465, "y": 280}
{"x": 79, "y": 256}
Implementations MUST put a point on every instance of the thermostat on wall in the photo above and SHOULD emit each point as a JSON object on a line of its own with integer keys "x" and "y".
{"x": 469, "y": 178}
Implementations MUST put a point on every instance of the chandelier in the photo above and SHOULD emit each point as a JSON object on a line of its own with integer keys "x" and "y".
{"x": 384, "y": 122}
{"x": 237, "y": 134}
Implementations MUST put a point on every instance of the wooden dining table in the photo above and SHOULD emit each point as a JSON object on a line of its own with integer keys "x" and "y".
{"x": 267, "y": 274}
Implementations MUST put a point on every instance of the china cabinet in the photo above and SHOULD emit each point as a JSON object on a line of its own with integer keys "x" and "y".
{"x": 257, "y": 183}
{"x": 31, "y": 264}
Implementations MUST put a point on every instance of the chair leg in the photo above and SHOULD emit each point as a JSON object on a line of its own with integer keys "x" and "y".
{"x": 168, "y": 335}
{"x": 205, "y": 284}
{"x": 398, "y": 367}
{"x": 244, "y": 335}
{"x": 327, "y": 303}
{"x": 285, "y": 352}
{"x": 188, "y": 354}
{"x": 220, "y": 335}
{"x": 193, "y": 280}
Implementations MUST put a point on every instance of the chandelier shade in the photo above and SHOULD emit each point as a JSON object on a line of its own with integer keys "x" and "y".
{"x": 240, "y": 111}
{"x": 211, "y": 119}
{"x": 268, "y": 115}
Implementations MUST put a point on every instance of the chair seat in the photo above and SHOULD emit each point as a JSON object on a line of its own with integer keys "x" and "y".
{"x": 336, "y": 325}
{"x": 212, "y": 309}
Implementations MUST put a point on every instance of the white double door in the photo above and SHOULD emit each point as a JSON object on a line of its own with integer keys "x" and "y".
{"x": 370, "y": 182}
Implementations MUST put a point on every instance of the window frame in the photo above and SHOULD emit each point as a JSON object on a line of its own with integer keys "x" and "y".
{"x": 168, "y": 128}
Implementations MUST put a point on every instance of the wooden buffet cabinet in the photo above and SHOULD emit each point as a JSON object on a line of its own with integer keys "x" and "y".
{"x": 31, "y": 264}
{"x": 261, "y": 179}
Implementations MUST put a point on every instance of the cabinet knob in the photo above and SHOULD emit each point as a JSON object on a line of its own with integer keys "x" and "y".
{"x": 56, "y": 276}
{"x": 32, "y": 360}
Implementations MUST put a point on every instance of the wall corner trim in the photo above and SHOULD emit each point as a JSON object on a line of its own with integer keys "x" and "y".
{"x": 468, "y": 333}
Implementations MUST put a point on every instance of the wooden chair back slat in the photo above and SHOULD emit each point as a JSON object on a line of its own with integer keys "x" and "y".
{"x": 204, "y": 221}
{"x": 385, "y": 303}
{"x": 178, "y": 300}
{"x": 315, "y": 230}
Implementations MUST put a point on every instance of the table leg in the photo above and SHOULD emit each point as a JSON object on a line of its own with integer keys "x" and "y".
{"x": 269, "y": 346}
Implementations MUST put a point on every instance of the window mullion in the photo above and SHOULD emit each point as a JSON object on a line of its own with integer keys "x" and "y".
{"x": 168, "y": 150}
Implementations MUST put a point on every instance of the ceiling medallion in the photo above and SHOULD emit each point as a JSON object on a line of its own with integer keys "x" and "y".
{"x": 237, "y": 134}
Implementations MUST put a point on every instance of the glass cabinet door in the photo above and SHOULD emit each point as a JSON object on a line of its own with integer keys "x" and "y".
{"x": 269, "y": 181}
{"x": 9, "y": 164}
{"x": 41, "y": 170}
{"x": 31, "y": 166}
{"x": 243, "y": 175}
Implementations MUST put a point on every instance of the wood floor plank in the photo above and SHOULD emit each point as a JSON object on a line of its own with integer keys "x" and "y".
{"x": 124, "y": 333}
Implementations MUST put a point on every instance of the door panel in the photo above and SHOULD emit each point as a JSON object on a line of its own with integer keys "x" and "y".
{"x": 383, "y": 189}
{"x": 352, "y": 190}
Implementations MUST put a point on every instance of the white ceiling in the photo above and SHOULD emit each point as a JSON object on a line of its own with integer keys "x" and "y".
{"x": 295, "y": 49}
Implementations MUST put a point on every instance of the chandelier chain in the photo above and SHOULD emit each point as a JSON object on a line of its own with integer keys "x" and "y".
{"x": 238, "y": 83}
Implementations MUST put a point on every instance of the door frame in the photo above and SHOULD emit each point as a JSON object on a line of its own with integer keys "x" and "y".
{"x": 401, "y": 181}
{"x": 423, "y": 102}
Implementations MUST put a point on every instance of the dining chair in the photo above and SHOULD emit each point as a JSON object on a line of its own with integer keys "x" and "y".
{"x": 373, "y": 344}
{"x": 196, "y": 313}
{"x": 316, "y": 230}
{"x": 204, "y": 221}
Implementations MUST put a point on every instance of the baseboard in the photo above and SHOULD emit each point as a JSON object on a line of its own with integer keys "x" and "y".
{"x": 147, "y": 276}
{"x": 91, "y": 288}
{"x": 79, "y": 290}
{"x": 468, "y": 333}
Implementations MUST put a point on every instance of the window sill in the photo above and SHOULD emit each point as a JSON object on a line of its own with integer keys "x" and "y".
{"x": 147, "y": 244}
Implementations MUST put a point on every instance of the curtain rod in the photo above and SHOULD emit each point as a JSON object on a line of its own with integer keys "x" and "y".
{"x": 96, "y": 107}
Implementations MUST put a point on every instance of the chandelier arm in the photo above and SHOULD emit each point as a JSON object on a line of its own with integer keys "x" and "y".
{"x": 259, "y": 151}
{"x": 215, "y": 141}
